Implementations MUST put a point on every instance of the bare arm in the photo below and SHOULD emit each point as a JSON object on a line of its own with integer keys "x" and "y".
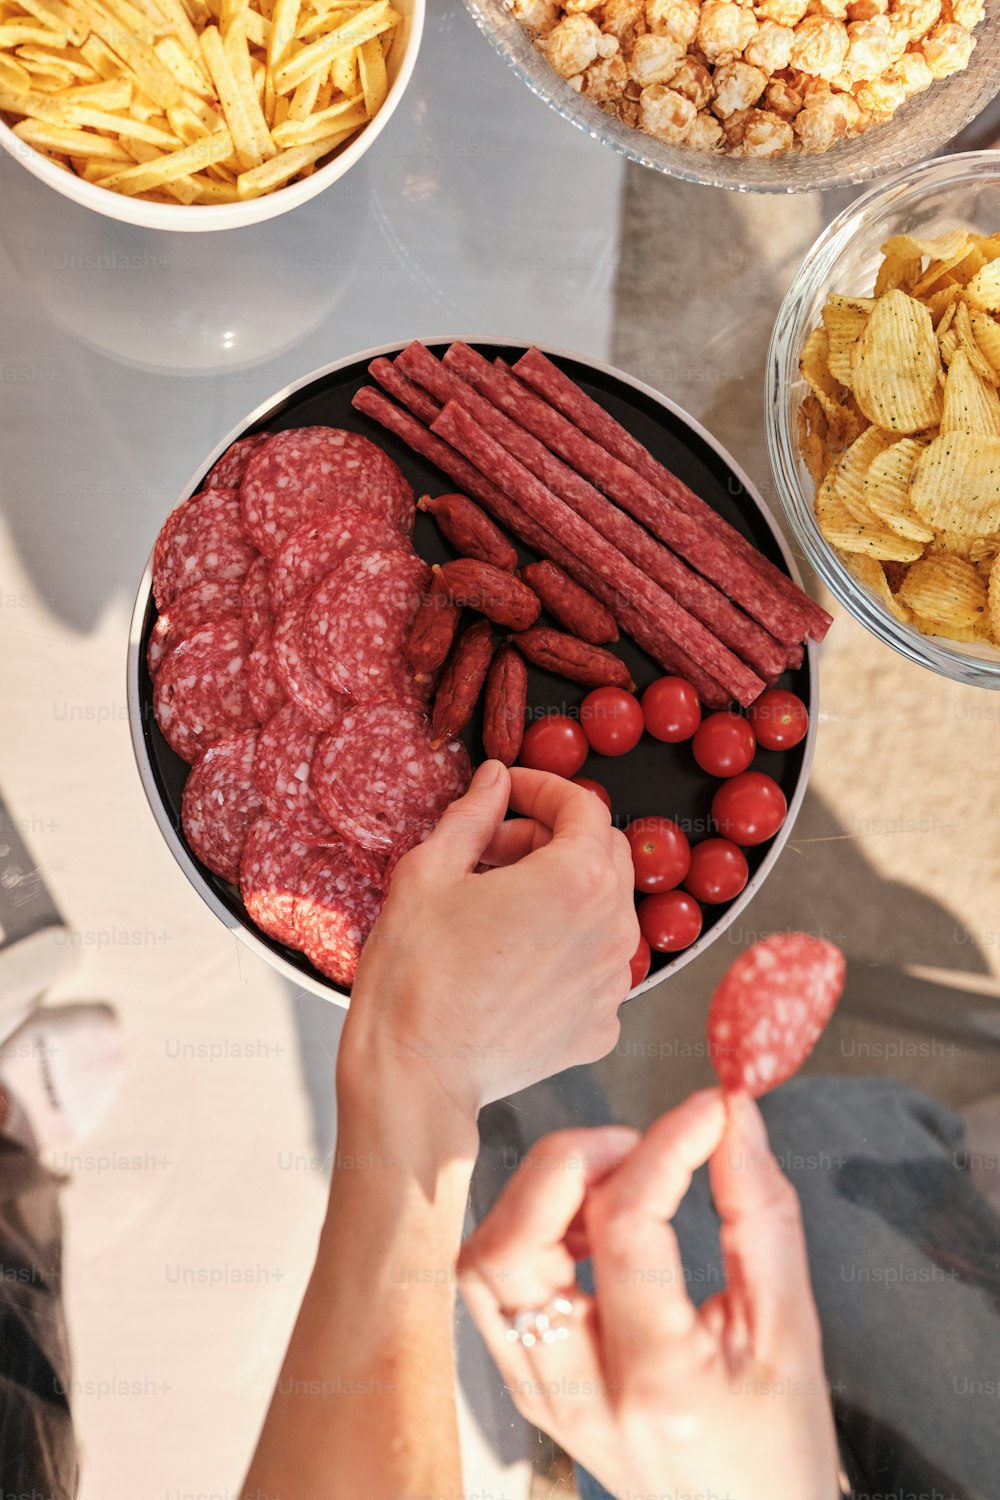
{"x": 470, "y": 987}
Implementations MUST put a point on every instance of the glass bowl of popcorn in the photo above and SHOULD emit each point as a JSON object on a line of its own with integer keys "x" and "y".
{"x": 767, "y": 96}
{"x": 882, "y": 409}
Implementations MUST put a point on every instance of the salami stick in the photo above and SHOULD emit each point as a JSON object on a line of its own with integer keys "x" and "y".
{"x": 742, "y": 635}
{"x": 455, "y": 425}
{"x": 672, "y": 657}
{"x": 394, "y": 381}
{"x": 690, "y": 539}
{"x": 549, "y": 381}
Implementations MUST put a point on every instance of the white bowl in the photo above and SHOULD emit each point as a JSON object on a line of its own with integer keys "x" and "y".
{"x": 198, "y": 217}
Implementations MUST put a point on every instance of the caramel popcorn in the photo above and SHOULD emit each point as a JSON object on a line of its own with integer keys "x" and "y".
{"x": 655, "y": 59}
{"x": 753, "y": 78}
{"x": 665, "y": 113}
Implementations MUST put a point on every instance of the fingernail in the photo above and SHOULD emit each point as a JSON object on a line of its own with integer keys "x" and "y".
{"x": 490, "y": 772}
{"x": 750, "y": 1123}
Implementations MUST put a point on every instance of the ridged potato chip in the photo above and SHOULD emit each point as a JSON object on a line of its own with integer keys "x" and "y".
{"x": 897, "y": 270}
{"x": 956, "y": 484}
{"x": 847, "y": 534}
{"x": 983, "y": 291}
{"x": 993, "y": 598}
{"x": 971, "y": 403}
{"x": 944, "y": 591}
{"x": 812, "y": 438}
{"x": 940, "y": 305}
{"x": 848, "y": 475}
{"x": 985, "y": 549}
{"x": 962, "y": 326}
{"x": 844, "y": 319}
{"x": 870, "y": 572}
{"x": 896, "y": 366}
{"x": 986, "y": 332}
{"x": 939, "y": 247}
{"x": 887, "y": 490}
{"x": 814, "y": 364}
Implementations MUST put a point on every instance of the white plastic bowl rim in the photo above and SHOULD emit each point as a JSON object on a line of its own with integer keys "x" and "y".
{"x": 270, "y": 407}
{"x": 198, "y": 218}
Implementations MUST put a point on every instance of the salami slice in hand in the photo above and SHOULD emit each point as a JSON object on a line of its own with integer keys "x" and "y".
{"x": 770, "y": 1009}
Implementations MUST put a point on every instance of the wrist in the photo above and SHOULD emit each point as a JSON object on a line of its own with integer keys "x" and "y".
{"x": 389, "y": 1094}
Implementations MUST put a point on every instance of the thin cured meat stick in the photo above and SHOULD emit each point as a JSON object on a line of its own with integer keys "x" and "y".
{"x": 691, "y": 539}
{"x": 411, "y": 396}
{"x": 456, "y": 427}
{"x": 744, "y": 636}
{"x": 545, "y": 377}
{"x": 630, "y": 617}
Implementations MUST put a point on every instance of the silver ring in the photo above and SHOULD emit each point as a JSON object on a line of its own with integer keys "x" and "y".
{"x": 541, "y": 1325}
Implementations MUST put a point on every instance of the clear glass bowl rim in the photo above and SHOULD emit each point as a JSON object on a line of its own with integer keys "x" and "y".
{"x": 921, "y": 128}
{"x": 817, "y": 273}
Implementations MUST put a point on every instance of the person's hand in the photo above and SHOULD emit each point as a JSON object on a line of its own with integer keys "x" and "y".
{"x": 652, "y": 1395}
{"x": 488, "y": 982}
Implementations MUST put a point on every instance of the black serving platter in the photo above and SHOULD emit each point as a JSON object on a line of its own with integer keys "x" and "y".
{"x": 654, "y": 778}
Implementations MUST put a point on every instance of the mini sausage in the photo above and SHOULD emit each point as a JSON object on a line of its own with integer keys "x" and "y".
{"x": 470, "y": 530}
{"x": 572, "y": 605}
{"x": 505, "y": 706}
{"x": 432, "y": 631}
{"x": 461, "y": 682}
{"x": 494, "y": 593}
{"x": 573, "y": 658}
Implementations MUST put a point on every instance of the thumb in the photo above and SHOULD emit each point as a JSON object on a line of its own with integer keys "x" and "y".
{"x": 467, "y": 826}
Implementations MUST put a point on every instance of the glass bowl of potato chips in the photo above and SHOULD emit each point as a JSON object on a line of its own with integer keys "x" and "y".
{"x": 781, "y": 96}
{"x": 883, "y": 413}
{"x": 189, "y": 115}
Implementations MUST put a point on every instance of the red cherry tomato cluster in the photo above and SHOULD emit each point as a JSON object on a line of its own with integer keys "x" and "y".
{"x": 748, "y": 808}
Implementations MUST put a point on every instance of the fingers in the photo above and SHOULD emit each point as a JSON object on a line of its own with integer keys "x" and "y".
{"x": 519, "y": 1247}
{"x": 469, "y": 823}
{"x": 763, "y": 1244}
{"x": 637, "y": 1266}
{"x": 514, "y": 839}
{"x": 570, "y": 811}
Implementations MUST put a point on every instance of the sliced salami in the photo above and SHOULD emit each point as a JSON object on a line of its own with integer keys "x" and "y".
{"x": 357, "y": 620}
{"x": 315, "y": 549}
{"x": 311, "y": 471}
{"x": 202, "y": 538}
{"x": 200, "y": 692}
{"x": 263, "y": 683}
{"x": 284, "y": 756}
{"x": 272, "y": 873}
{"x": 770, "y": 1009}
{"x": 296, "y": 673}
{"x": 221, "y": 803}
{"x": 258, "y": 615}
{"x": 377, "y": 777}
{"x": 230, "y": 468}
{"x": 212, "y": 599}
{"x": 336, "y": 913}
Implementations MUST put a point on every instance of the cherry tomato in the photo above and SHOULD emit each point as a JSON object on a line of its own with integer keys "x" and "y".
{"x": 555, "y": 743}
{"x": 724, "y": 744}
{"x": 749, "y": 809}
{"x": 640, "y": 961}
{"x": 718, "y": 872}
{"x": 670, "y": 921}
{"x": 671, "y": 709}
{"x": 779, "y": 719}
{"x": 612, "y": 720}
{"x": 595, "y": 787}
{"x": 661, "y": 853}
